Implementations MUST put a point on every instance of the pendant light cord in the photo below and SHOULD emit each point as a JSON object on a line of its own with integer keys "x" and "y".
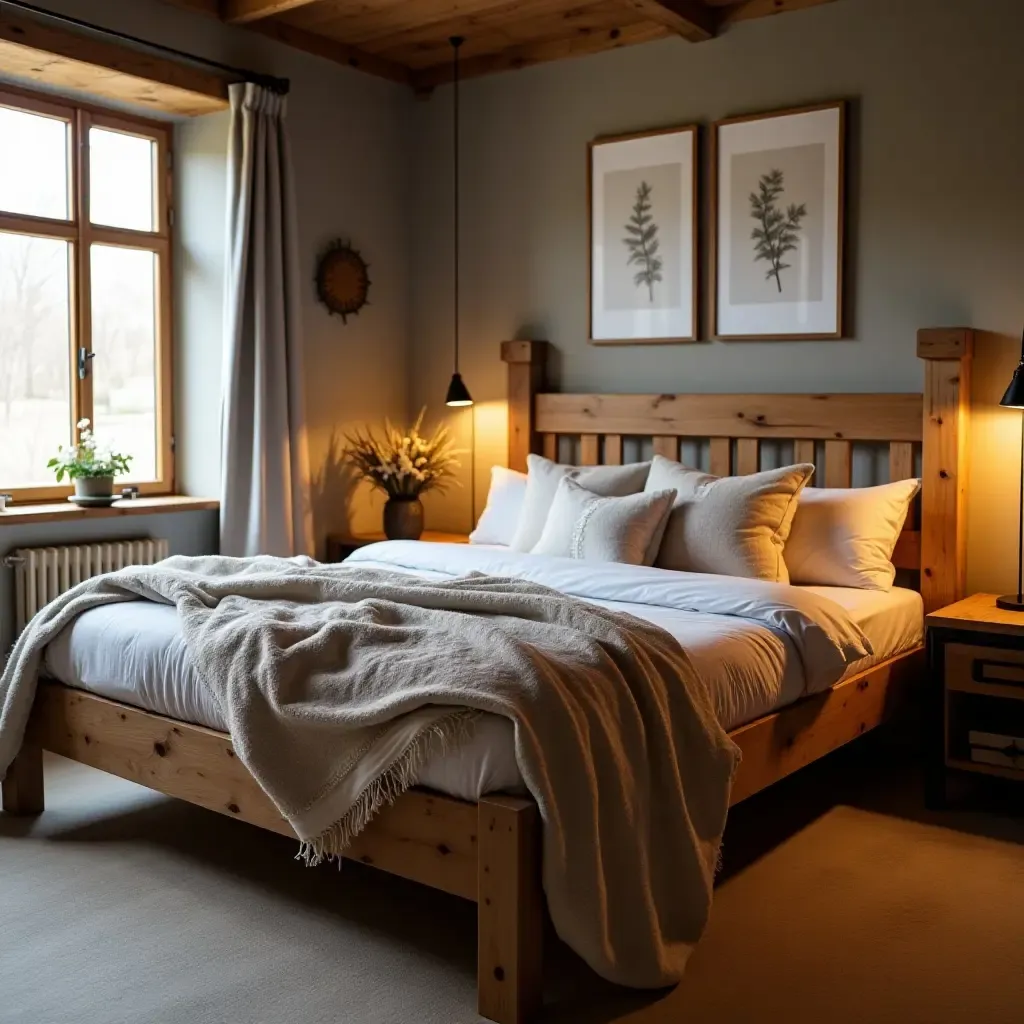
{"x": 456, "y": 42}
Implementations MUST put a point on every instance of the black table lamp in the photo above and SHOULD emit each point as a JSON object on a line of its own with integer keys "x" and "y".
{"x": 1014, "y": 399}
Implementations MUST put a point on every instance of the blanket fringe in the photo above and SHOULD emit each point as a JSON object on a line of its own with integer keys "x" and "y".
{"x": 400, "y": 775}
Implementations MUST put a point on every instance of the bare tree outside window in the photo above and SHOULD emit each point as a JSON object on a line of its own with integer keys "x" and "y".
{"x": 42, "y": 267}
{"x": 35, "y": 407}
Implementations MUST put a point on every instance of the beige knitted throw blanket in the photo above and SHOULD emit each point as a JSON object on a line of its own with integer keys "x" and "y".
{"x": 337, "y": 681}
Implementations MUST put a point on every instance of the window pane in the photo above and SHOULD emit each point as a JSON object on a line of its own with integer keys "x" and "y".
{"x": 121, "y": 180}
{"x": 35, "y": 356}
{"x": 124, "y": 335}
{"x": 33, "y": 164}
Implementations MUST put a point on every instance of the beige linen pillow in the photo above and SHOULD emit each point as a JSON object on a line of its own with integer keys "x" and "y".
{"x": 542, "y": 480}
{"x": 585, "y": 525}
{"x": 845, "y": 537}
{"x": 731, "y": 525}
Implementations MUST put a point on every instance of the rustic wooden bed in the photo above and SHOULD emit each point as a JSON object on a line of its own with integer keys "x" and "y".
{"x": 490, "y": 851}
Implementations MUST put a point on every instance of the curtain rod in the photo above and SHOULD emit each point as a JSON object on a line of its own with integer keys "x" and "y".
{"x": 278, "y": 85}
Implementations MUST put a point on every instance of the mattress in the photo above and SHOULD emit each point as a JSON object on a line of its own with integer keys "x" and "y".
{"x": 134, "y": 653}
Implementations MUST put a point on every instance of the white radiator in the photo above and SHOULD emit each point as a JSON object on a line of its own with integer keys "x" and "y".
{"x": 42, "y": 574}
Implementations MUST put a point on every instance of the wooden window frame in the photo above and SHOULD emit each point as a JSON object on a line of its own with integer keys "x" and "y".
{"x": 81, "y": 236}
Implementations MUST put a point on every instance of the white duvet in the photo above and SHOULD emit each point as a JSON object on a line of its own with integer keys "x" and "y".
{"x": 758, "y": 646}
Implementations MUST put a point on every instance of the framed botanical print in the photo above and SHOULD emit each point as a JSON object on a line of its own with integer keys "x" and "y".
{"x": 778, "y": 221}
{"x": 643, "y": 237}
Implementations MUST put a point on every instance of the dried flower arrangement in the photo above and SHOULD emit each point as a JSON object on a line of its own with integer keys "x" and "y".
{"x": 404, "y": 463}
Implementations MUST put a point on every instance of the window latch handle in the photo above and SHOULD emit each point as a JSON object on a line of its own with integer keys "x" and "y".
{"x": 84, "y": 358}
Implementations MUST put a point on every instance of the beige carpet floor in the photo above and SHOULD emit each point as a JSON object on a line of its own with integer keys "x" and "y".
{"x": 841, "y": 900}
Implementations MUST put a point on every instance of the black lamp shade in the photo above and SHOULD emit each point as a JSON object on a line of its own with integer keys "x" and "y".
{"x": 1014, "y": 397}
{"x": 458, "y": 393}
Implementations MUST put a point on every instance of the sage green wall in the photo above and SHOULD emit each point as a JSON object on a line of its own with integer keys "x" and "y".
{"x": 936, "y": 215}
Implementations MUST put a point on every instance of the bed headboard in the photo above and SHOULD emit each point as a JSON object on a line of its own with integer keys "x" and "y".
{"x": 822, "y": 429}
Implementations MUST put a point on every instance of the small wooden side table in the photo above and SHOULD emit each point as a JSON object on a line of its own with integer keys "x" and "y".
{"x": 340, "y": 546}
{"x": 975, "y": 720}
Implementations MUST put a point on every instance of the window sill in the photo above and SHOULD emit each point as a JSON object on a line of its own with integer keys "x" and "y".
{"x": 66, "y": 512}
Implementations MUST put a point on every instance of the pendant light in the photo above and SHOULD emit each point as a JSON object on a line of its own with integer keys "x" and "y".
{"x": 458, "y": 393}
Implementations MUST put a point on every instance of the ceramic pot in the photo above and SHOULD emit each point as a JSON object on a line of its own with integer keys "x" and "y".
{"x": 403, "y": 518}
{"x": 94, "y": 487}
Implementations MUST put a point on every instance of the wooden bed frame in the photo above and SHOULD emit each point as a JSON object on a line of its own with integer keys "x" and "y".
{"x": 490, "y": 851}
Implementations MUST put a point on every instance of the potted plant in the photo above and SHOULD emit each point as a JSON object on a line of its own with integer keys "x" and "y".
{"x": 403, "y": 464}
{"x": 91, "y": 464}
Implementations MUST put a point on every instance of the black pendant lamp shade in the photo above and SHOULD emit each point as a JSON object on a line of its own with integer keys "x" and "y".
{"x": 458, "y": 393}
{"x": 1014, "y": 399}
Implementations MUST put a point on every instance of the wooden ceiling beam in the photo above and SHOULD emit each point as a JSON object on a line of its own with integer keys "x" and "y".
{"x": 309, "y": 42}
{"x": 689, "y": 19}
{"x": 57, "y": 56}
{"x": 528, "y": 54}
{"x": 331, "y": 49}
{"x": 242, "y": 12}
{"x": 695, "y": 20}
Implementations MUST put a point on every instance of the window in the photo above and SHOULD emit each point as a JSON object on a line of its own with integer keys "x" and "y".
{"x": 85, "y": 290}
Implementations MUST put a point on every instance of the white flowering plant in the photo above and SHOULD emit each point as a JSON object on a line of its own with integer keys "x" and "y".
{"x": 404, "y": 463}
{"x": 88, "y": 458}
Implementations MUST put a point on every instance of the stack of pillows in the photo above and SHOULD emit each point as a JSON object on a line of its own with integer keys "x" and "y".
{"x": 661, "y": 513}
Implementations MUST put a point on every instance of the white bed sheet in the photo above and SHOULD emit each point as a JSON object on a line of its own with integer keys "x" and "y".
{"x": 134, "y": 653}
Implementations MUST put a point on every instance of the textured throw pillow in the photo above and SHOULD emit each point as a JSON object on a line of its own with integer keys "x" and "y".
{"x": 845, "y": 537}
{"x": 500, "y": 517}
{"x": 730, "y": 525}
{"x": 542, "y": 482}
{"x": 584, "y": 525}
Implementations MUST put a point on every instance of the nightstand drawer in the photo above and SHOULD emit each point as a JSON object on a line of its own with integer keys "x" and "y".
{"x": 991, "y": 671}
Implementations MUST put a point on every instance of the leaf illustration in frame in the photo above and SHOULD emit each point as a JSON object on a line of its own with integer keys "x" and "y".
{"x": 778, "y": 231}
{"x": 642, "y": 241}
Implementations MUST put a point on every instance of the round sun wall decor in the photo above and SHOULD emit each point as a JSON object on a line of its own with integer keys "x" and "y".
{"x": 342, "y": 279}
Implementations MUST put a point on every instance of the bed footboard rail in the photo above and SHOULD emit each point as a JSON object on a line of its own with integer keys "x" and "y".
{"x": 488, "y": 852}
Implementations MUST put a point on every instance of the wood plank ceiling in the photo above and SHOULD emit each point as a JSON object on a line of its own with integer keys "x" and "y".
{"x": 407, "y": 40}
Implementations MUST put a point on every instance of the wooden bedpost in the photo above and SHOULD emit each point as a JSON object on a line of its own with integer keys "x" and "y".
{"x": 947, "y": 354}
{"x": 527, "y": 364}
{"x": 510, "y": 910}
{"x": 23, "y": 784}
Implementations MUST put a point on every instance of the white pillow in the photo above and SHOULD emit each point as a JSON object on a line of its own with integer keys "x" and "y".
{"x": 542, "y": 482}
{"x": 585, "y": 525}
{"x": 498, "y": 521}
{"x": 845, "y": 537}
{"x": 730, "y": 525}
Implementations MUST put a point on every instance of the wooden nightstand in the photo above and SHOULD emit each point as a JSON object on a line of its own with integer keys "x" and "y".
{"x": 340, "y": 546}
{"x": 976, "y": 693}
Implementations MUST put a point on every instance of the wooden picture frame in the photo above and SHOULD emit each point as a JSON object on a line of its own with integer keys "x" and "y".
{"x": 615, "y": 165}
{"x": 808, "y": 143}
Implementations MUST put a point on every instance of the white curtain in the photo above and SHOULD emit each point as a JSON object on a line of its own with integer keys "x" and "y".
{"x": 265, "y": 493}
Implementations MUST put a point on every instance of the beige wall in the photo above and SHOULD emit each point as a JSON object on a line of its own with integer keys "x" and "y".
{"x": 350, "y": 136}
{"x": 936, "y": 215}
